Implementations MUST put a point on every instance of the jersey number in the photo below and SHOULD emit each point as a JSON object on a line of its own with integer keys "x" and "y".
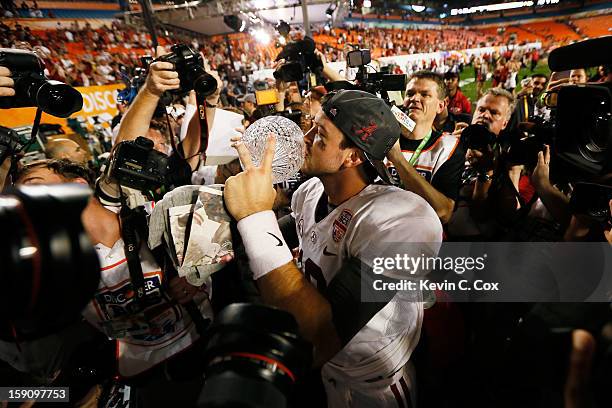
{"x": 314, "y": 274}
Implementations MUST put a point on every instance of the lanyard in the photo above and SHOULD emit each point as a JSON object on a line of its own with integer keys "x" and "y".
{"x": 418, "y": 150}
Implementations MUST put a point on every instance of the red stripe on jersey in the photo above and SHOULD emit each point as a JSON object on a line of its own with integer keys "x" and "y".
{"x": 398, "y": 397}
{"x": 406, "y": 392}
{"x": 113, "y": 265}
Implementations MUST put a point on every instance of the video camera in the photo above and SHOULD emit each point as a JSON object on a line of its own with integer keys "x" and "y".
{"x": 11, "y": 142}
{"x": 138, "y": 168}
{"x": 377, "y": 83}
{"x": 32, "y": 88}
{"x": 579, "y": 128}
{"x": 300, "y": 59}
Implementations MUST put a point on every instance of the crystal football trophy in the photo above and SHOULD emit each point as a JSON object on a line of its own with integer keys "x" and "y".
{"x": 289, "y": 151}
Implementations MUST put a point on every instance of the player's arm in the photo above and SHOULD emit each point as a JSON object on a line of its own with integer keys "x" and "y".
{"x": 249, "y": 197}
{"x": 416, "y": 183}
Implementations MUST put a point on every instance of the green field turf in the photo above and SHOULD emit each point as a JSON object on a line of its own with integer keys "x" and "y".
{"x": 469, "y": 90}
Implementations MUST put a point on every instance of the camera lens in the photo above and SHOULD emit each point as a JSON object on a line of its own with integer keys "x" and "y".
{"x": 49, "y": 270}
{"x": 595, "y": 143}
{"x": 253, "y": 358}
{"x": 58, "y": 99}
{"x": 205, "y": 84}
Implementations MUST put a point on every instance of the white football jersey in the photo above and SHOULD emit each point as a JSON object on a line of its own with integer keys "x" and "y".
{"x": 431, "y": 159}
{"x": 361, "y": 226}
{"x": 147, "y": 337}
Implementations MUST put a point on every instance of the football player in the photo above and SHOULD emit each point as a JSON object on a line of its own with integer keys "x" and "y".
{"x": 341, "y": 222}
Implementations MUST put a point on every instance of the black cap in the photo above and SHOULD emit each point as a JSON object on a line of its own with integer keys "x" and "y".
{"x": 367, "y": 121}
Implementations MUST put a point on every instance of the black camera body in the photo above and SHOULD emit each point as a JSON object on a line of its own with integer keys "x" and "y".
{"x": 299, "y": 59}
{"x": 478, "y": 137}
{"x": 33, "y": 89}
{"x": 135, "y": 164}
{"x": 190, "y": 67}
{"x": 11, "y": 142}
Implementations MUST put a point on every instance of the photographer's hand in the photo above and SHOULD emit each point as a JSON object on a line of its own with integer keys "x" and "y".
{"x": 6, "y": 82}
{"x": 137, "y": 119}
{"x": 162, "y": 77}
{"x": 251, "y": 191}
{"x": 540, "y": 176}
{"x": 328, "y": 72}
{"x": 554, "y": 200}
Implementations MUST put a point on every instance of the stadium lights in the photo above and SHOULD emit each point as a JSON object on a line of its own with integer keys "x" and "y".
{"x": 367, "y": 3}
{"x": 417, "y": 8}
{"x": 261, "y": 36}
{"x": 492, "y": 7}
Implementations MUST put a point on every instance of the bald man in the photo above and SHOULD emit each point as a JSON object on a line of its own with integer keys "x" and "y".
{"x": 66, "y": 149}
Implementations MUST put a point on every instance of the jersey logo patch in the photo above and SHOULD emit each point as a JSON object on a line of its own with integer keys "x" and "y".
{"x": 313, "y": 237}
{"x": 301, "y": 226}
{"x": 341, "y": 224}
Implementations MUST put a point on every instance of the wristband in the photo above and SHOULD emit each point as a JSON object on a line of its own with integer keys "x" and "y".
{"x": 263, "y": 243}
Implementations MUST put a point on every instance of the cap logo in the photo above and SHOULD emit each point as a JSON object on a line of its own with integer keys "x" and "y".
{"x": 333, "y": 112}
{"x": 365, "y": 132}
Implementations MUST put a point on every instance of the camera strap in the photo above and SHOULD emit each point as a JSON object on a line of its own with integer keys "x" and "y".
{"x": 201, "y": 106}
{"x": 131, "y": 242}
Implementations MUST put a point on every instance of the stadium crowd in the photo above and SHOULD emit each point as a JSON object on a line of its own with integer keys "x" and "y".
{"x": 456, "y": 170}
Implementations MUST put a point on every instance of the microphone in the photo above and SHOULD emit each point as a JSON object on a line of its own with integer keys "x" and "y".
{"x": 583, "y": 54}
{"x": 289, "y": 150}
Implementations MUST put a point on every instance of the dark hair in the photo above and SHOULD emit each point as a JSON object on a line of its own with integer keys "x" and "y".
{"x": 432, "y": 76}
{"x": 539, "y": 74}
{"x": 369, "y": 170}
{"x": 65, "y": 168}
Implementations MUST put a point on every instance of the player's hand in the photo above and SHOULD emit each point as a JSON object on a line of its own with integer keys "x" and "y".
{"x": 6, "y": 82}
{"x": 540, "y": 175}
{"x": 180, "y": 290}
{"x": 162, "y": 76}
{"x": 251, "y": 191}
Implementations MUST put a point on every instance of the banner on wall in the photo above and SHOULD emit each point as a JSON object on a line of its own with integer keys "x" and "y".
{"x": 97, "y": 101}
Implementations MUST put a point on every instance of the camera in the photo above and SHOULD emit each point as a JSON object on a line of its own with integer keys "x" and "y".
{"x": 300, "y": 59}
{"x": 592, "y": 200}
{"x": 254, "y": 356}
{"x": 579, "y": 127}
{"x": 33, "y": 89}
{"x": 135, "y": 164}
{"x": 11, "y": 142}
{"x": 190, "y": 67}
{"x": 358, "y": 58}
{"x": 377, "y": 83}
{"x": 49, "y": 270}
{"x": 478, "y": 137}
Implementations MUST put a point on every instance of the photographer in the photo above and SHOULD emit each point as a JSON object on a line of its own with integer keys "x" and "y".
{"x": 476, "y": 208}
{"x": 527, "y": 100}
{"x": 137, "y": 119}
{"x": 157, "y": 341}
{"x": 428, "y": 162}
